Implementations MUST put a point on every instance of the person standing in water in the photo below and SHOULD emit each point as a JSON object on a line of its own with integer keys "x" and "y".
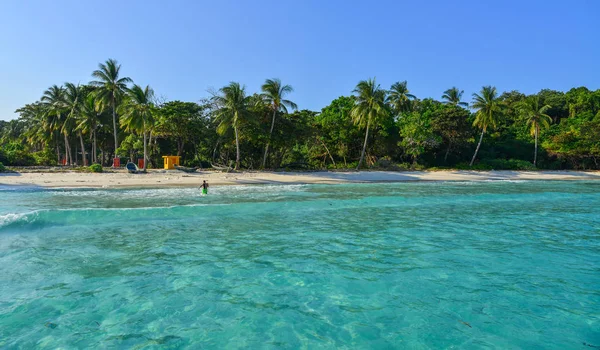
{"x": 204, "y": 187}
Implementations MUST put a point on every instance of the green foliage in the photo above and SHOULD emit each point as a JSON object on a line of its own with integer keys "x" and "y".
{"x": 452, "y": 125}
{"x": 96, "y": 168}
{"x": 16, "y": 154}
{"x": 476, "y": 166}
{"x": 510, "y": 164}
{"x": 45, "y": 157}
{"x": 417, "y": 134}
{"x": 2, "y": 168}
{"x": 389, "y": 129}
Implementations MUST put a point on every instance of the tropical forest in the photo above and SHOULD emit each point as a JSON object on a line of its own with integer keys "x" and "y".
{"x": 372, "y": 127}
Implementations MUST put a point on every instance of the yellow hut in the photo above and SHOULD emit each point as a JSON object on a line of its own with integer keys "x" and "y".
{"x": 171, "y": 161}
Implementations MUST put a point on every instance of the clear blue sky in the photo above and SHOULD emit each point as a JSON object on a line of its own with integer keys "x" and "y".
{"x": 322, "y": 48}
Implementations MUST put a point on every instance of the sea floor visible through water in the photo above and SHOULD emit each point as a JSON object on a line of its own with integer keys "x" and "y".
{"x": 423, "y": 265}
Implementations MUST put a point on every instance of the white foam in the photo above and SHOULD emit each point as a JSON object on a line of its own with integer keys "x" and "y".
{"x": 10, "y": 217}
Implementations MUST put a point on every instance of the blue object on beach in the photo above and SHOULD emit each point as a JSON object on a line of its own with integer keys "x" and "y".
{"x": 132, "y": 168}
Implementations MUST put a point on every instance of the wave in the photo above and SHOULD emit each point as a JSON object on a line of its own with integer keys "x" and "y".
{"x": 91, "y": 216}
{"x": 10, "y": 217}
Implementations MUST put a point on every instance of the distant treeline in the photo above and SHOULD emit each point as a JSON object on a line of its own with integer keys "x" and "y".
{"x": 372, "y": 127}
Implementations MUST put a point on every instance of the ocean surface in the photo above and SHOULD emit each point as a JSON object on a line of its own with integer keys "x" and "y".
{"x": 430, "y": 265}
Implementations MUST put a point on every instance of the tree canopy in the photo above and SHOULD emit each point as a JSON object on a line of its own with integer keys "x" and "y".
{"x": 76, "y": 124}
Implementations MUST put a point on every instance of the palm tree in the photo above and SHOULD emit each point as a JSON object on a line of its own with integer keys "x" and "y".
{"x": 37, "y": 132}
{"x": 137, "y": 113}
{"x": 369, "y": 108}
{"x": 400, "y": 97}
{"x": 488, "y": 109}
{"x": 111, "y": 88}
{"x": 536, "y": 117}
{"x": 55, "y": 105}
{"x": 89, "y": 121}
{"x": 231, "y": 104}
{"x": 453, "y": 96}
{"x": 73, "y": 99}
{"x": 273, "y": 94}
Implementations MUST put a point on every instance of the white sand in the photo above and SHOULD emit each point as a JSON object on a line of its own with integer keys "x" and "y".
{"x": 161, "y": 178}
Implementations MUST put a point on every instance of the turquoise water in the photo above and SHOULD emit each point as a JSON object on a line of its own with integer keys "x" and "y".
{"x": 410, "y": 265}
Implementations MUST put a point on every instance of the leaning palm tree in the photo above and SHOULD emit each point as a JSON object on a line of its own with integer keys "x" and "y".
{"x": 369, "y": 108}
{"x": 137, "y": 113}
{"x": 273, "y": 94}
{"x": 231, "y": 103}
{"x": 110, "y": 88}
{"x": 453, "y": 96}
{"x": 55, "y": 106}
{"x": 400, "y": 97}
{"x": 535, "y": 117}
{"x": 488, "y": 109}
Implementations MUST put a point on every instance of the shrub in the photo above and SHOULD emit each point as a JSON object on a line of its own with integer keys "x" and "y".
{"x": 498, "y": 164}
{"x": 45, "y": 157}
{"x": 96, "y": 168}
{"x": 510, "y": 164}
{"x": 20, "y": 158}
{"x": 477, "y": 166}
{"x": 2, "y": 168}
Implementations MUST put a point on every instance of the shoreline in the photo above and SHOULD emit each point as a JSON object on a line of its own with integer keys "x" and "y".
{"x": 174, "y": 178}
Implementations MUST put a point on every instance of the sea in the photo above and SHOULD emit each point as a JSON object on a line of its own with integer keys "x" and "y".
{"x": 419, "y": 265}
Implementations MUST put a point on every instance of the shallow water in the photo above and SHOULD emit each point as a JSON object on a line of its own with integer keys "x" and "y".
{"x": 409, "y": 265}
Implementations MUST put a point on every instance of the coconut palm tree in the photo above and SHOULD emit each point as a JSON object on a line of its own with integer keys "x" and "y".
{"x": 231, "y": 103}
{"x": 110, "y": 88}
{"x": 536, "y": 118}
{"x": 453, "y": 96}
{"x": 73, "y": 100}
{"x": 488, "y": 109}
{"x": 369, "y": 108}
{"x": 55, "y": 105}
{"x": 37, "y": 133}
{"x": 137, "y": 113}
{"x": 400, "y": 97}
{"x": 88, "y": 122}
{"x": 273, "y": 94}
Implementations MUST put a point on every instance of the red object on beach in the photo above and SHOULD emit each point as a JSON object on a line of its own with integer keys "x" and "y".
{"x": 116, "y": 162}
{"x": 140, "y": 163}
{"x": 63, "y": 161}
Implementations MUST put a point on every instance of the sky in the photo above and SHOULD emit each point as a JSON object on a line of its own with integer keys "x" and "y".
{"x": 322, "y": 48}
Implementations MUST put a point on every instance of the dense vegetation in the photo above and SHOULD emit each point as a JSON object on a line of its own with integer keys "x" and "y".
{"x": 373, "y": 127}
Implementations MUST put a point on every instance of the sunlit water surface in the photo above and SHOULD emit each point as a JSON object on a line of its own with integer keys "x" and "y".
{"x": 410, "y": 265}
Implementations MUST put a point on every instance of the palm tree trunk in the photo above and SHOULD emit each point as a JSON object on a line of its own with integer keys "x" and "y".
{"x": 477, "y": 149}
{"x": 145, "y": 152}
{"x": 237, "y": 148}
{"x": 95, "y": 154}
{"x": 66, "y": 150}
{"x": 149, "y": 146}
{"x": 57, "y": 151}
{"x": 114, "y": 113}
{"x": 327, "y": 149}
{"x": 447, "y": 151}
{"x": 536, "y": 143}
{"x": 269, "y": 140}
{"x": 83, "y": 155}
{"x": 214, "y": 154}
{"x": 362, "y": 154}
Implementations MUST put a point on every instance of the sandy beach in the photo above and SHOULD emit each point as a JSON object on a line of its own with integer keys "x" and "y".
{"x": 161, "y": 178}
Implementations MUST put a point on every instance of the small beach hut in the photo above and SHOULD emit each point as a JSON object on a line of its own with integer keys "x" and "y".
{"x": 171, "y": 161}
